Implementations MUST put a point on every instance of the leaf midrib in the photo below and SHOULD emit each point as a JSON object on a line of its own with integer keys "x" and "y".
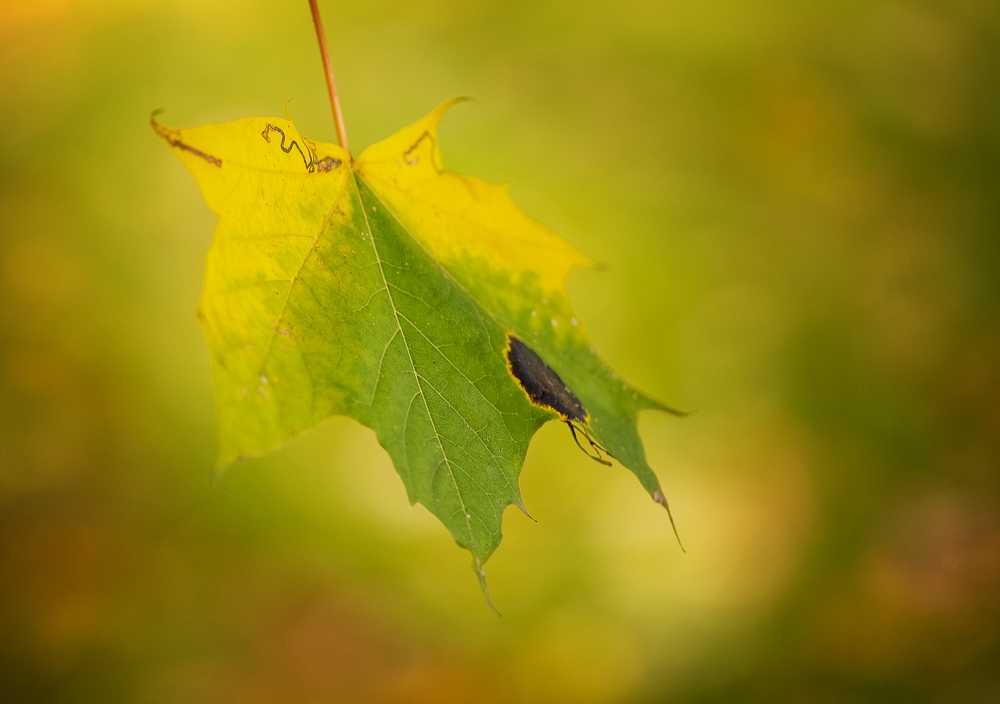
{"x": 413, "y": 368}
{"x": 479, "y": 311}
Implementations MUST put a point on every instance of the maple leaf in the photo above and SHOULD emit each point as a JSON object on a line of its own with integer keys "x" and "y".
{"x": 421, "y": 302}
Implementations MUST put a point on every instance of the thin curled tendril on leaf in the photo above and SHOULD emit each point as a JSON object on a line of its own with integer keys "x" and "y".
{"x": 327, "y": 163}
{"x": 412, "y": 159}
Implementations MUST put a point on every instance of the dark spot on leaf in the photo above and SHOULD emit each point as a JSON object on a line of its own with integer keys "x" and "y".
{"x": 544, "y": 387}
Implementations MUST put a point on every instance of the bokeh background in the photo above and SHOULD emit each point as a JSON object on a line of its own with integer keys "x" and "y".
{"x": 798, "y": 204}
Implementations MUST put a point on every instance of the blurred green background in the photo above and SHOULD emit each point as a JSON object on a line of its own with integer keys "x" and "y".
{"x": 799, "y": 207}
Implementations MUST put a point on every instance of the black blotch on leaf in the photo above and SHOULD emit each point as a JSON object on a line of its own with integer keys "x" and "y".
{"x": 544, "y": 387}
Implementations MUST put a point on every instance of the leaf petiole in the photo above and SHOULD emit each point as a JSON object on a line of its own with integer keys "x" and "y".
{"x": 331, "y": 84}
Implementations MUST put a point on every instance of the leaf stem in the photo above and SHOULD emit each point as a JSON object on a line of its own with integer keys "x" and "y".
{"x": 331, "y": 84}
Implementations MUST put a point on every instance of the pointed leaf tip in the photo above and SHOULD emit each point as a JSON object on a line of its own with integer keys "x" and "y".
{"x": 477, "y": 567}
{"x": 659, "y": 498}
{"x": 524, "y": 509}
{"x": 437, "y": 113}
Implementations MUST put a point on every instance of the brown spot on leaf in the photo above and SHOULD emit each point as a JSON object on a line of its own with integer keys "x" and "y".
{"x": 328, "y": 163}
